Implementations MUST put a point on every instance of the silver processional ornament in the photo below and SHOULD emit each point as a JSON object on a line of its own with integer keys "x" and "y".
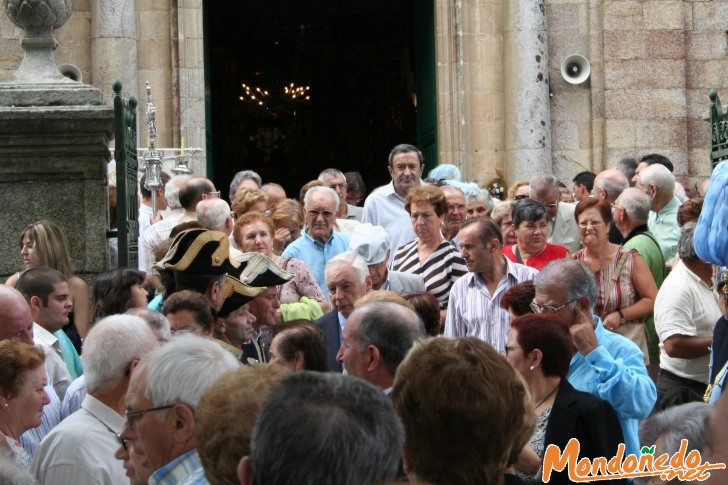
{"x": 153, "y": 160}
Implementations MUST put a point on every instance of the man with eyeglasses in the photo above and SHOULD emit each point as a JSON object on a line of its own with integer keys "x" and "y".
{"x": 455, "y": 215}
{"x": 605, "y": 363}
{"x": 335, "y": 179}
{"x": 161, "y": 400}
{"x": 319, "y": 242}
{"x": 81, "y": 448}
{"x": 563, "y": 228}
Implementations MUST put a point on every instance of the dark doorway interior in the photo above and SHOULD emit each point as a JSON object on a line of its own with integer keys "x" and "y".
{"x": 356, "y": 57}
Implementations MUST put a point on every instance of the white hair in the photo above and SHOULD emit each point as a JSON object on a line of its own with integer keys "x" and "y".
{"x": 212, "y": 214}
{"x": 319, "y": 188}
{"x": 659, "y": 176}
{"x": 110, "y": 347}
{"x": 157, "y": 322}
{"x": 543, "y": 185}
{"x": 330, "y": 172}
{"x": 352, "y": 258}
{"x": 636, "y": 203}
{"x": 183, "y": 369}
{"x": 172, "y": 188}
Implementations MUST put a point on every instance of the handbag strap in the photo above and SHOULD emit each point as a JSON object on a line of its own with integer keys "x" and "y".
{"x": 615, "y": 278}
{"x": 519, "y": 260}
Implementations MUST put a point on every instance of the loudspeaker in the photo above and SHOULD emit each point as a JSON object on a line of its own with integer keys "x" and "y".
{"x": 71, "y": 72}
{"x": 575, "y": 69}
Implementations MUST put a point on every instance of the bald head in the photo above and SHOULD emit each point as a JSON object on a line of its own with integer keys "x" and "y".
{"x": 609, "y": 184}
{"x": 16, "y": 321}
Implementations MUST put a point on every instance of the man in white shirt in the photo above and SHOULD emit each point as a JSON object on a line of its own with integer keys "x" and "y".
{"x": 385, "y": 206}
{"x": 81, "y": 448}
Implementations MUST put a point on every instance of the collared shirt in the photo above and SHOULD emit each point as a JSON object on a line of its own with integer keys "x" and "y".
{"x": 316, "y": 254}
{"x": 59, "y": 343}
{"x": 144, "y": 220}
{"x": 615, "y": 371}
{"x": 384, "y": 207}
{"x": 50, "y": 419}
{"x": 197, "y": 477}
{"x": 155, "y": 235}
{"x": 685, "y": 305}
{"x": 75, "y": 395}
{"x": 342, "y": 324}
{"x": 474, "y": 312}
{"x": 663, "y": 225}
{"x": 81, "y": 448}
{"x": 176, "y": 470}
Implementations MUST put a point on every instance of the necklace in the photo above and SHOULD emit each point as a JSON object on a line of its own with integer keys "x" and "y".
{"x": 546, "y": 398}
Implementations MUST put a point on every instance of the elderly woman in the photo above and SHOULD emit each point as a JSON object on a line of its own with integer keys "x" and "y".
{"x": 540, "y": 348}
{"x": 117, "y": 291}
{"x": 430, "y": 255}
{"x": 22, "y": 394}
{"x": 479, "y": 203}
{"x": 249, "y": 200}
{"x": 299, "y": 345}
{"x": 502, "y": 215}
{"x": 531, "y": 220}
{"x": 301, "y": 297}
{"x": 519, "y": 190}
{"x": 626, "y": 291}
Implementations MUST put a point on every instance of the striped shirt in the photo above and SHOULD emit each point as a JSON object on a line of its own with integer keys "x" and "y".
{"x": 177, "y": 470}
{"x": 441, "y": 270}
{"x": 473, "y": 312}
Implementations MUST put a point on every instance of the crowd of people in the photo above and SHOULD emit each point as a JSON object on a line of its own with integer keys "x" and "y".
{"x": 436, "y": 334}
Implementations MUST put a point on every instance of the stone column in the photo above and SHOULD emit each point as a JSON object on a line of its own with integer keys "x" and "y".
{"x": 114, "y": 46}
{"x": 527, "y": 117}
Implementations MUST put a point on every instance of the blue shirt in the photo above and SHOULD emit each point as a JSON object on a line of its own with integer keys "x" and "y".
{"x": 615, "y": 371}
{"x": 70, "y": 356}
{"x": 315, "y": 254}
{"x": 177, "y": 470}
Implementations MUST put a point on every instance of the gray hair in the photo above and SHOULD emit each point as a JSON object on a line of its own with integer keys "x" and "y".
{"x": 183, "y": 369}
{"x": 110, "y": 347}
{"x": 243, "y": 175}
{"x": 349, "y": 428}
{"x": 685, "y": 245}
{"x": 611, "y": 186}
{"x": 172, "y": 188}
{"x": 390, "y": 327}
{"x": 352, "y": 258}
{"x": 480, "y": 195}
{"x": 674, "y": 424}
{"x": 331, "y": 172}
{"x": 628, "y": 167}
{"x": 573, "y": 277}
{"x": 157, "y": 322}
{"x": 529, "y": 210}
{"x": 405, "y": 148}
{"x": 636, "y": 204}
{"x": 212, "y": 214}
{"x": 543, "y": 185}
{"x": 321, "y": 188}
{"x": 659, "y": 176}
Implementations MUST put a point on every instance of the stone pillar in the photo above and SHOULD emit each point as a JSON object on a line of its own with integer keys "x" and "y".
{"x": 114, "y": 47}
{"x": 527, "y": 118}
{"x": 469, "y": 56}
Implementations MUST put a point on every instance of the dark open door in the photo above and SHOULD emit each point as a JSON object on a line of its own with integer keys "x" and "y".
{"x": 424, "y": 11}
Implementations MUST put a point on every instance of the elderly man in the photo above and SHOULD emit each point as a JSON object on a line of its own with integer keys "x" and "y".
{"x": 376, "y": 338}
{"x": 318, "y": 242}
{"x": 385, "y": 206}
{"x": 335, "y": 179}
{"x": 474, "y": 402}
{"x": 605, "y": 364}
{"x": 630, "y": 214}
{"x": 81, "y": 449}
{"x": 474, "y": 309}
{"x": 563, "y": 228}
{"x": 160, "y": 405}
{"x": 455, "y": 215}
{"x": 214, "y": 215}
{"x": 685, "y": 315}
{"x": 607, "y": 187}
{"x": 348, "y": 280}
{"x": 16, "y": 323}
{"x": 657, "y": 182}
{"x": 324, "y": 428}
{"x": 372, "y": 244}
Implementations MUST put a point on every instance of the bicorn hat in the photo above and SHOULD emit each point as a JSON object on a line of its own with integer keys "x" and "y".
{"x": 198, "y": 251}
{"x": 256, "y": 269}
{"x": 236, "y": 295}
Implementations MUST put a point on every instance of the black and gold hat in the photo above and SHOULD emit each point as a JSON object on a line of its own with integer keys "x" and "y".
{"x": 256, "y": 269}
{"x": 236, "y": 295}
{"x": 198, "y": 251}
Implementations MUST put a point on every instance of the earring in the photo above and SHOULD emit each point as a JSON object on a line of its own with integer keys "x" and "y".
{"x": 5, "y": 406}
{"x": 531, "y": 367}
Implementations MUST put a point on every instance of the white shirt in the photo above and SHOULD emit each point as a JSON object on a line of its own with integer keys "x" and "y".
{"x": 56, "y": 370}
{"x": 145, "y": 220}
{"x": 385, "y": 208}
{"x": 685, "y": 306}
{"x": 474, "y": 312}
{"x": 155, "y": 235}
{"x": 81, "y": 448}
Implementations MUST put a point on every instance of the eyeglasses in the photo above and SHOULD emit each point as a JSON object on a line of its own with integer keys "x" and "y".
{"x": 615, "y": 206}
{"x": 341, "y": 186}
{"x": 548, "y": 308}
{"x": 511, "y": 348}
{"x": 212, "y": 195}
{"x": 133, "y": 416}
{"x": 585, "y": 224}
{"x": 317, "y": 213}
{"x": 453, "y": 207}
{"x": 519, "y": 197}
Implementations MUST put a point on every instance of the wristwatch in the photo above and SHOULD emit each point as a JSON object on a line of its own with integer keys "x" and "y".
{"x": 622, "y": 320}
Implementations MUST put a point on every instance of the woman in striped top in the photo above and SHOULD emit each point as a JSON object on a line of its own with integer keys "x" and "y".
{"x": 430, "y": 255}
